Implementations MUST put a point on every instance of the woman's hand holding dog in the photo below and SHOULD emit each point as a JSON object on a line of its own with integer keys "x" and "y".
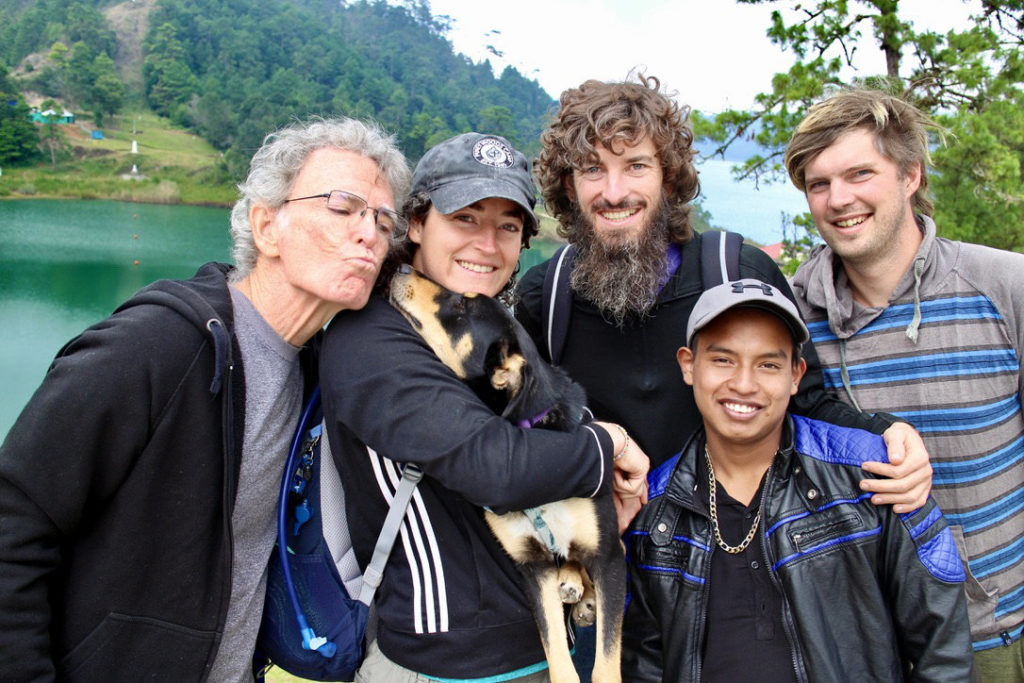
{"x": 629, "y": 484}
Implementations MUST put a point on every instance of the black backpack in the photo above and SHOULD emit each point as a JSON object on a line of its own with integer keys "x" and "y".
{"x": 719, "y": 263}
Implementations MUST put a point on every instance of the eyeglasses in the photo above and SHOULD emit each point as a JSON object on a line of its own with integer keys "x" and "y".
{"x": 352, "y": 206}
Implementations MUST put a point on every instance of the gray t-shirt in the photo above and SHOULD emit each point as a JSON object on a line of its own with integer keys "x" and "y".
{"x": 273, "y": 401}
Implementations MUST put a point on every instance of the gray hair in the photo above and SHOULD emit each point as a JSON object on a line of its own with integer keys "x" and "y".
{"x": 278, "y": 161}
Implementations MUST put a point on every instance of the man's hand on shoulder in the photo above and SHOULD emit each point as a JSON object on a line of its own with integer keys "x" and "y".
{"x": 908, "y": 472}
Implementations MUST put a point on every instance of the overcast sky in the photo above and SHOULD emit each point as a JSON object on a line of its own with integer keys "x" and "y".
{"x": 714, "y": 53}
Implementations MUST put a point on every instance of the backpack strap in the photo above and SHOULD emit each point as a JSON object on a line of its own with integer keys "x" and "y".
{"x": 374, "y": 572}
{"x": 385, "y": 540}
{"x": 719, "y": 257}
{"x": 556, "y": 301}
{"x": 310, "y": 640}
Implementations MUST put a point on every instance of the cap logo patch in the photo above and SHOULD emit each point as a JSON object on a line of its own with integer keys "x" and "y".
{"x": 493, "y": 152}
{"x": 738, "y": 287}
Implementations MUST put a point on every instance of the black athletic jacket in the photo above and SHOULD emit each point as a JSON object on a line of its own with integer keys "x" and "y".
{"x": 116, "y": 489}
{"x": 451, "y": 603}
{"x": 631, "y": 375}
{"x": 867, "y": 595}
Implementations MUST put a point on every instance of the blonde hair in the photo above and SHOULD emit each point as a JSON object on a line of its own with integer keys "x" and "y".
{"x": 900, "y": 130}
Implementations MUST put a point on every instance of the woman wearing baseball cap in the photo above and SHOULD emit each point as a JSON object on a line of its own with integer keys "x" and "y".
{"x": 451, "y": 606}
{"x": 470, "y": 214}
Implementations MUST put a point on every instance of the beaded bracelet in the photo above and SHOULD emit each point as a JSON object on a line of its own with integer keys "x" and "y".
{"x": 625, "y": 444}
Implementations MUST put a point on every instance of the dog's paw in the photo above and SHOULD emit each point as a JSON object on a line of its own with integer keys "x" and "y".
{"x": 570, "y": 584}
{"x": 569, "y": 593}
{"x": 584, "y": 612}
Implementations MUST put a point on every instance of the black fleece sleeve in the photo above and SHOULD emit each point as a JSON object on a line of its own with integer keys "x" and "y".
{"x": 384, "y": 383}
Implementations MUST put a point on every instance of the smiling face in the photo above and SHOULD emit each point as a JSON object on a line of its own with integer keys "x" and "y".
{"x": 619, "y": 191}
{"x": 742, "y": 374}
{"x": 474, "y": 249}
{"x": 861, "y": 203}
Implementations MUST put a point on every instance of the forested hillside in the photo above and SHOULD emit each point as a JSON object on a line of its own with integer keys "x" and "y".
{"x": 232, "y": 70}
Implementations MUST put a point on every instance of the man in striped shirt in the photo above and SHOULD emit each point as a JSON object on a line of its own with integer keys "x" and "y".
{"x": 924, "y": 328}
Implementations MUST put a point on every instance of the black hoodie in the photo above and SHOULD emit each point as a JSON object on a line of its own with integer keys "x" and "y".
{"x": 116, "y": 488}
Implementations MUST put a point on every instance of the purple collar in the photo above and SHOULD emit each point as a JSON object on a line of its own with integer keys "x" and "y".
{"x": 674, "y": 255}
{"x": 526, "y": 424}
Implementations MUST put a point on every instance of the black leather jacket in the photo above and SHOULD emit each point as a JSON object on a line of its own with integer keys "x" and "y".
{"x": 868, "y": 595}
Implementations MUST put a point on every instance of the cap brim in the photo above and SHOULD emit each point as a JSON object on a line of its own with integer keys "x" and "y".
{"x": 797, "y": 329}
{"x": 457, "y": 195}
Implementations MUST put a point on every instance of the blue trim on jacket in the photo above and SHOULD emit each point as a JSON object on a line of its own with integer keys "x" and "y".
{"x": 837, "y": 445}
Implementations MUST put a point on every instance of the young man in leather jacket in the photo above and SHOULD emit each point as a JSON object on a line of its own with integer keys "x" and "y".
{"x": 759, "y": 551}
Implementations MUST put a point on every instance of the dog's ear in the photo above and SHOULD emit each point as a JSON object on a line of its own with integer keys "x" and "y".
{"x": 505, "y": 367}
{"x": 522, "y": 404}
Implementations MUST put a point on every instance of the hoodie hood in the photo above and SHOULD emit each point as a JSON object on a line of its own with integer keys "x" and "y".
{"x": 204, "y": 301}
{"x": 822, "y": 283}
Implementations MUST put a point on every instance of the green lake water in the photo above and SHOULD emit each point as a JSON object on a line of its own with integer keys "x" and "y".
{"x": 66, "y": 264}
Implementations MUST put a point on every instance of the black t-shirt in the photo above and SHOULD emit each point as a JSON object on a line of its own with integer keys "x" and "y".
{"x": 744, "y": 637}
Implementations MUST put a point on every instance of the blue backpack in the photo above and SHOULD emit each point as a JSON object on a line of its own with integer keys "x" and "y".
{"x": 311, "y": 626}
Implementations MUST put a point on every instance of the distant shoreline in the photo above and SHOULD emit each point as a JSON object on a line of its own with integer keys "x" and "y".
{"x": 755, "y": 212}
{"x": 24, "y": 197}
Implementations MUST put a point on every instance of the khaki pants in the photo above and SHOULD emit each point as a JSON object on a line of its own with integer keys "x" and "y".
{"x": 377, "y": 668}
{"x": 1000, "y": 664}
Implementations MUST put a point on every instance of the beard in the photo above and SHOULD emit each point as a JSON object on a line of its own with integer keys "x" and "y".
{"x": 621, "y": 278}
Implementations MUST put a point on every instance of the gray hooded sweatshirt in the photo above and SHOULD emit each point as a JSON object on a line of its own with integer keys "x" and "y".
{"x": 945, "y": 356}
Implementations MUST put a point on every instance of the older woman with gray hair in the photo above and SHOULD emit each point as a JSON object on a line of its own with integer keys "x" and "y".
{"x": 137, "y": 487}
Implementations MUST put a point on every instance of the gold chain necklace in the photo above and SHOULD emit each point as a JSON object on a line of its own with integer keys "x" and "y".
{"x": 731, "y": 549}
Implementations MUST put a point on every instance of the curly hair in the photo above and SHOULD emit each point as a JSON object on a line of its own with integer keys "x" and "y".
{"x": 900, "y": 129}
{"x": 610, "y": 115}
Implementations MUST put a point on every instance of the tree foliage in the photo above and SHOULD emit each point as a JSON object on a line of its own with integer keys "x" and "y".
{"x": 237, "y": 69}
{"x": 79, "y": 48}
{"x": 233, "y": 70}
{"x": 968, "y": 78}
{"x": 168, "y": 79}
{"x": 18, "y": 138}
{"x": 33, "y": 26}
{"x": 52, "y": 138}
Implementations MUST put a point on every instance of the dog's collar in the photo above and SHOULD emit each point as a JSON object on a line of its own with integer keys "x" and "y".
{"x": 532, "y": 422}
{"x": 536, "y": 515}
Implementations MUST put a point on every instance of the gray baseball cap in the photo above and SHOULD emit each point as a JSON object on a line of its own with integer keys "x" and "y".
{"x": 470, "y": 167}
{"x": 748, "y": 293}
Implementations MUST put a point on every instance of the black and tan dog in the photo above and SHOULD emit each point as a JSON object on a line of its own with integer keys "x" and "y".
{"x": 488, "y": 349}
